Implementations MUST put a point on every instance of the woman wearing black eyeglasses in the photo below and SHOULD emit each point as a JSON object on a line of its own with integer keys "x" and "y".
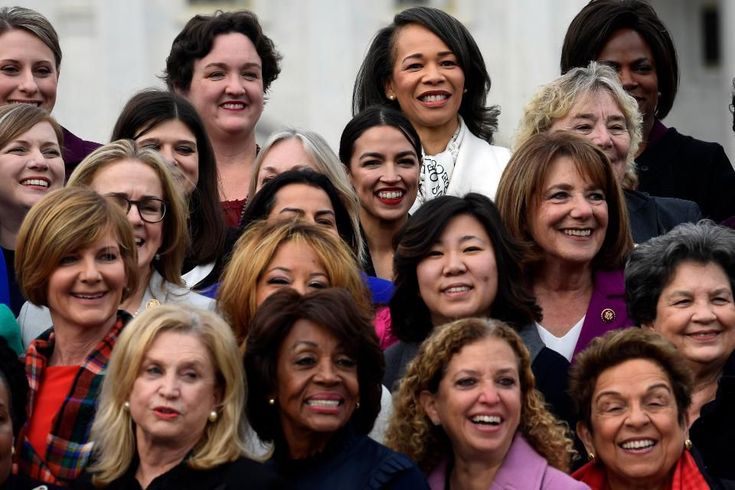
{"x": 142, "y": 184}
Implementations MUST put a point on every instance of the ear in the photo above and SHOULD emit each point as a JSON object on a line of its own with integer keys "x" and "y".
{"x": 586, "y": 436}
{"x": 218, "y": 396}
{"x": 428, "y": 403}
{"x": 389, "y": 89}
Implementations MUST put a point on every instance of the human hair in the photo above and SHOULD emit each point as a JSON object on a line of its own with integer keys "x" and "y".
{"x": 34, "y": 22}
{"x": 410, "y": 430}
{"x": 65, "y": 221}
{"x": 150, "y": 108}
{"x": 556, "y": 99}
{"x": 371, "y": 117}
{"x": 653, "y": 264}
{"x": 521, "y": 185}
{"x": 333, "y": 309}
{"x": 113, "y": 429}
{"x": 616, "y": 347}
{"x": 326, "y": 162}
{"x": 410, "y": 317}
{"x": 13, "y": 377}
{"x": 262, "y": 203}
{"x": 16, "y": 119}
{"x": 255, "y": 249}
{"x": 195, "y": 41}
{"x": 592, "y": 27}
{"x": 377, "y": 68}
{"x": 175, "y": 236}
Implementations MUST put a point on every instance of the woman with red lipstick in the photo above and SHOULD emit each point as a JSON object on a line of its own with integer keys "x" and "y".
{"x": 632, "y": 391}
{"x": 630, "y": 37}
{"x": 30, "y": 167}
{"x": 224, "y": 64}
{"x": 467, "y": 412}
{"x": 381, "y": 152}
{"x": 681, "y": 285}
{"x": 76, "y": 255}
{"x": 313, "y": 368}
{"x": 427, "y": 65}
{"x": 171, "y": 408}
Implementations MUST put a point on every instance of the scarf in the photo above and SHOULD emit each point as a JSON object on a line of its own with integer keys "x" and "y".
{"x": 436, "y": 170}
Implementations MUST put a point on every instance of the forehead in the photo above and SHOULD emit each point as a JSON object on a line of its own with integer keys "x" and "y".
{"x": 307, "y": 332}
{"x": 566, "y": 167}
{"x": 487, "y": 354}
{"x": 129, "y": 176}
{"x": 287, "y": 154}
{"x": 302, "y": 196}
{"x": 232, "y": 48}
{"x": 297, "y": 253}
{"x": 178, "y": 345}
{"x": 170, "y": 128}
{"x": 596, "y": 101}
{"x": 415, "y": 39}
{"x": 631, "y": 378}
{"x": 20, "y": 43}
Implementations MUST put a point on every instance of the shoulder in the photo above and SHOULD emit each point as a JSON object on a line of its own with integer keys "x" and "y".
{"x": 558, "y": 480}
{"x": 257, "y": 475}
{"x": 674, "y": 211}
{"x": 683, "y": 147}
{"x": 479, "y": 148}
{"x": 390, "y": 469}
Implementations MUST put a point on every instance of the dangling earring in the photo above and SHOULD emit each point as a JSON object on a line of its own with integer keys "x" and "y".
{"x": 212, "y": 416}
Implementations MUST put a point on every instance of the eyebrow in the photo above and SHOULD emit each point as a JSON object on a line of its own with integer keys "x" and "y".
{"x": 251, "y": 64}
{"x": 440, "y": 54}
{"x": 127, "y": 196}
{"x": 648, "y": 390}
{"x": 177, "y": 140}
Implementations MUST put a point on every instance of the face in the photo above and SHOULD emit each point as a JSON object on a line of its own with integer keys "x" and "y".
{"x": 635, "y": 430}
{"x": 478, "y": 403}
{"x": 28, "y": 71}
{"x": 134, "y": 180}
{"x": 174, "y": 392}
{"x": 384, "y": 171}
{"x": 304, "y": 202}
{"x": 570, "y": 219}
{"x": 630, "y": 55}
{"x": 86, "y": 287}
{"x": 30, "y": 167}
{"x": 295, "y": 265}
{"x": 227, "y": 87}
{"x": 597, "y": 117}
{"x": 459, "y": 278}
{"x": 317, "y": 385}
{"x": 6, "y": 433}
{"x": 178, "y": 146}
{"x": 427, "y": 81}
{"x": 696, "y": 313}
{"x": 287, "y": 154}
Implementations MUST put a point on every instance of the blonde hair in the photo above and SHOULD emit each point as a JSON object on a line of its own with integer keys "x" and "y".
{"x": 113, "y": 429}
{"x": 175, "y": 228}
{"x": 326, "y": 163}
{"x": 410, "y": 430}
{"x": 64, "y": 221}
{"x": 16, "y": 119}
{"x": 555, "y": 100}
{"x": 254, "y": 250}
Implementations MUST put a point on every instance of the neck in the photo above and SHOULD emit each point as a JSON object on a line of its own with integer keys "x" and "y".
{"x": 156, "y": 460}
{"x": 74, "y": 343}
{"x": 379, "y": 236}
{"x": 234, "y": 151}
{"x": 132, "y": 304}
{"x": 563, "y": 278}
{"x": 435, "y": 139}
{"x": 472, "y": 475}
{"x": 301, "y": 445}
{"x": 706, "y": 378}
{"x": 9, "y": 227}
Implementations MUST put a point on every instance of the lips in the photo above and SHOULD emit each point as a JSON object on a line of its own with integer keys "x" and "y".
{"x": 493, "y": 420}
{"x": 36, "y": 103}
{"x": 578, "y": 232}
{"x": 325, "y": 403}
{"x": 390, "y": 197}
{"x": 637, "y": 445}
{"x": 434, "y": 98}
{"x": 703, "y": 335}
{"x": 40, "y": 182}
{"x": 233, "y": 105}
{"x": 166, "y": 413}
{"x": 89, "y": 296}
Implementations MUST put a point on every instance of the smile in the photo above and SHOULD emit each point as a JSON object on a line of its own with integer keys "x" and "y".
{"x": 388, "y": 195}
{"x": 638, "y": 444}
{"x": 36, "y": 103}
{"x": 434, "y": 98}
{"x": 486, "y": 419}
{"x": 233, "y": 105}
{"x": 324, "y": 403}
{"x": 90, "y": 296}
{"x": 34, "y": 182}
{"x": 457, "y": 289}
{"x": 576, "y": 232}
{"x": 139, "y": 242}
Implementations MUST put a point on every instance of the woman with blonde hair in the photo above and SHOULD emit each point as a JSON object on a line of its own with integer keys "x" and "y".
{"x": 141, "y": 183}
{"x": 76, "y": 257}
{"x": 467, "y": 412}
{"x": 171, "y": 408}
{"x": 293, "y": 254}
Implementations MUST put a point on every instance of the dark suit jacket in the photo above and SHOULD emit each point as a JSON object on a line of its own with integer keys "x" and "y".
{"x": 75, "y": 150}
{"x": 651, "y": 216}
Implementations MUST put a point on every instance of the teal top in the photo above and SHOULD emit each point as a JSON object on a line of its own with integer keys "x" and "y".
{"x": 10, "y": 330}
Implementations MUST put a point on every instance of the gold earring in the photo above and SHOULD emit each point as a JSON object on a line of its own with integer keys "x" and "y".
{"x": 590, "y": 455}
{"x": 126, "y": 406}
{"x": 213, "y": 416}
{"x": 688, "y": 444}
{"x": 391, "y": 97}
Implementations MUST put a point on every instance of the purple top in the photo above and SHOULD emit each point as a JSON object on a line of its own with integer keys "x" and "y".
{"x": 75, "y": 150}
{"x": 522, "y": 469}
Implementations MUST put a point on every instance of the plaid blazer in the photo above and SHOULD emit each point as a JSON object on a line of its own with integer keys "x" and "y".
{"x": 68, "y": 446}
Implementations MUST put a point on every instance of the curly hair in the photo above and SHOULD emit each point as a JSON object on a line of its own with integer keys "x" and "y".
{"x": 412, "y": 432}
{"x": 377, "y": 67}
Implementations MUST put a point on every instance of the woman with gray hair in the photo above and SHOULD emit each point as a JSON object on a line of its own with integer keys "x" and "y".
{"x": 591, "y": 102}
{"x": 681, "y": 285}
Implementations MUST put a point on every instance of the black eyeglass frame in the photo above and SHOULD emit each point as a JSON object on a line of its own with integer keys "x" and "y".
{"x": 130, "y": 202}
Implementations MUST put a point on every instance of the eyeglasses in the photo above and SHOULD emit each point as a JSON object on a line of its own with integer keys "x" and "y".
{"x": 150, "y": 209}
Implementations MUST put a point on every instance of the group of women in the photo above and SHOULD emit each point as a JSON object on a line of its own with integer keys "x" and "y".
{"x": 196, "y": 311}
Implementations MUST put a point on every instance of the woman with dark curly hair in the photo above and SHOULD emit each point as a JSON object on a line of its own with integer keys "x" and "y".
{"x": 632, "y": 390}
{"x": 224, "y": 64}
{"x": 468, "y": 413}
{"x": 681, "y": 285}
{"x": 427, "y": 65}
{"x": 630, "y": 37}
{"x": 313, "y": 368}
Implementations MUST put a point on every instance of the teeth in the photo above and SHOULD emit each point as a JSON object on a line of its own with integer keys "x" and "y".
{"x": 457, "y": 289}
{"x": 434, "y": 98}
{"x": 233, "y": 105}
{"x": 35, "y": 182}
{"x": 390, "y": 194}
{"x": 323, "y": 403}
{"x": 638, "y": 444}
{"x": 89, "y": 296}
{"x": 139, "y": 242}
{"x": 486, "y": 419}
{"x": 585, "y": 232}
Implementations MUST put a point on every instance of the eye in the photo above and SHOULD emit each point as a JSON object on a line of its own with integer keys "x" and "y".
{"x": 10, "y": 69}
{"x": 328, "y": 222}
{"x": 371, "y": 163}
{"x": 216, "y": 75}
{"x": 279, "y": 281}
{"x": 507, "y": 381}
{"x": 43, "y": 71}
{"x": 250, "y": 75}
{"x": 17, "y": 150}
{"x": 617, "y": 129}
{"x": 448, "y": 63}
{"x": 408, "y": 162}
{"x": 583, "y": 128}
{"x": 471, "y": 249}
{"x": 721, "y": 300}
{"x": 185, "y": 150}
{"x": 434, "y": 253}
{"x": 151, "y": 146}
{"x": 108, "y": 257}
{"x": 466, "y": 382}
{"x": 413, "y": 67}
{"x": 345, "y": 362}
{"x": 190, "y": 375}
{"x": 51, "y": 153}
{"x": 305, "y": 361}
{"x": 643, "y": 68}
{"x": 596, "y": 196}
{"x": 558, "y": 196}
{"x": 317, "y": 285}
{"x": 153, "y": 370}
{"x": 682, "y": 302}
{"x": 68, "y": 260}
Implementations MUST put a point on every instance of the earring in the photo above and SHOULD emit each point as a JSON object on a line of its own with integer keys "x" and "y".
{"x": 391, "y": 97}
{"x": 590, "y": 455}
{"x": 357, "y": 405}
{"x": 688, "y": 444}
{"x": 212, "y": 416}
{"x": 157, "y": 257}
{"x": 271, "y": 401}
{"x": 464, "y": 91}
{"x": 126, "y": 406}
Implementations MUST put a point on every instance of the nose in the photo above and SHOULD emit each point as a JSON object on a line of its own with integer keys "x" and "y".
{"x": 454, "y": 263}
{"x": 637, "y": 416}
{"x": 581, "y": 208}
{"x": 703, "y": 312}
{"x": 432, "y": 73}
{"x": 234, "y": 86}
{"x": 36, "y": 160}
{"x": 90, "y": 272}
{"x": 167, "y": 152}
{"x": 169, "y": 386}
{"x": 489, "y": 394}
{"x": 134, "y": 217}
{"x": 28, "y": 83}
{"x": 301, "y": 286}
{"x": 326, "y": 373}
{"x": 390, "y": 175}
{"x": 601, "y": 137}
{"x": 627, "y": 79}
